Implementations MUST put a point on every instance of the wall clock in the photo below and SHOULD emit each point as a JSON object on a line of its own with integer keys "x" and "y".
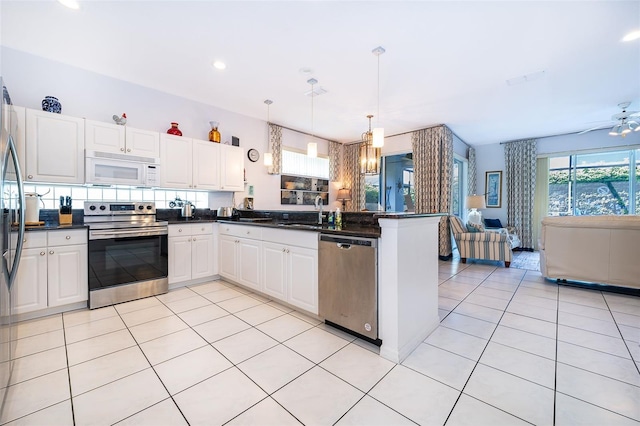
{"x": 253, "y": 155}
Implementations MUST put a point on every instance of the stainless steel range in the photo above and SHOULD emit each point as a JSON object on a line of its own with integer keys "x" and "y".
{"x": 128, "y": 256}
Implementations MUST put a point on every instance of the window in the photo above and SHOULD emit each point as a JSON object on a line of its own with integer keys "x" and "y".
{"x": 299, "y": 164}
{"x": 602, "y": 183}
{"x": 457, "y": 187}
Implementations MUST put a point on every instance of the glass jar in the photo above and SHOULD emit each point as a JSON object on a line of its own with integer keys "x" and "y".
{"x": 214, "y": 134}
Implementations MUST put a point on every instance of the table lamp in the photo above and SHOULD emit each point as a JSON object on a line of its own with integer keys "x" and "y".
{"x": 475, "y": 202}
{"x": 344, "y": 194}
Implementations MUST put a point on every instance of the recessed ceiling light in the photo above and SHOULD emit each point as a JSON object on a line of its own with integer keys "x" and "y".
{"x": 71, "y": 4}
{"x": 633, "y": 35}
{"x": 219, "y": 65}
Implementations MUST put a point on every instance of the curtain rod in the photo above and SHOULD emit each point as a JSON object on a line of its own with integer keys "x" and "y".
{"x": 354, "y": 142}
{"x": 412, "y": 131}
{"x": 546, "y": 136}
{"x": 303, "y": 133}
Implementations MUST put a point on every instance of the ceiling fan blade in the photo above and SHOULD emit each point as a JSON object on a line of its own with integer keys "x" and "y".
{"x": 602, "y": 126}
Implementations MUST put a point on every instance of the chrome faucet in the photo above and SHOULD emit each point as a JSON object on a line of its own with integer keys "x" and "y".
{"x": 318, "y": 204}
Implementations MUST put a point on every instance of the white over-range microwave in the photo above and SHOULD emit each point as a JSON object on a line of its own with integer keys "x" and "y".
{"x": 105, "y": 168}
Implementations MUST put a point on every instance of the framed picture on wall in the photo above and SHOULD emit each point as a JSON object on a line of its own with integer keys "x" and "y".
{"x": 493, "y": 189}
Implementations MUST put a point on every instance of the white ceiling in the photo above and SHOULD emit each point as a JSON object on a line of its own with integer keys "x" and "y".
{"x": 446, "y": 62}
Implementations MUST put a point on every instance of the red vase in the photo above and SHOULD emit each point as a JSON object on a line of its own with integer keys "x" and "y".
{"x": 174, "y": 130}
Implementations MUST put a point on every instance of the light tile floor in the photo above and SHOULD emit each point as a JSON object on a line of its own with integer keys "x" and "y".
{"x": 511, "y": 349}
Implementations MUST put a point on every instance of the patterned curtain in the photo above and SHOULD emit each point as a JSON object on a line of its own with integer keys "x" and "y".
{"x": 275, "y": 140}
{"x": 352, "y": 178}
{"x": 433, "y": 164}
{"x": 520, "y": 181}
{"x": 334, "y": 160}
{"x": 472, "y": 172}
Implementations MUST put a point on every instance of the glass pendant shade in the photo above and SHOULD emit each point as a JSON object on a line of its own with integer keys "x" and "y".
{"x": 312, "y": 149}
{"x": 378, "y": 137}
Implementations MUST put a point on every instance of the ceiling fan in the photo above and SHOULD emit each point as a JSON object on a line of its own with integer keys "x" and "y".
{"x": 623, "y": 123}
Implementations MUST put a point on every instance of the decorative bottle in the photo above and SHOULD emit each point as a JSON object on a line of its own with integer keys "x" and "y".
{"x": 214, "y": 134}
{"x": 174, "y": 130}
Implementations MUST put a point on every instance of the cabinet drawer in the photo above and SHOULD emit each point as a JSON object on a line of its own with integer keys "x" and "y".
{"x": 179, "y": 230}
{"x": 201, "y": 228}
{"x": 190, "y": 229}
{"x": 244, "y": 231}
{"x": 31, "y": 239}
{"x": 67, "y": 237}
{"x": 288, "y": 237}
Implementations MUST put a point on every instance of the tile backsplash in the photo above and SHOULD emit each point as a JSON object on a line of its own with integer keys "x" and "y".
{"x": 79, "y": 194}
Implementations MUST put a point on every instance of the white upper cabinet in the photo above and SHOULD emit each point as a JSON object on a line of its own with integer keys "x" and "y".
{"x": 113, "y": 138}
{"x": 176, "y": 161}
{"x": 231, "y": 168}
{"x": 198, "y": 164}
{"x": 143, "y": 143}
{"x": 206, "y": 165}
{"x": 54, "y": 149}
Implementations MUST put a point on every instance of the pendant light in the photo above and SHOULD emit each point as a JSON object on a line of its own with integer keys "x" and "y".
{"x": 268, "y": 156}
{"x": 312, "y": 147}
{"x": 369, "y": 155}
{"x": 378, "y": 132}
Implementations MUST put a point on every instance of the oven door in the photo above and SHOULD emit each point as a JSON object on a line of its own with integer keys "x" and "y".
{"x": 126, "y": 258}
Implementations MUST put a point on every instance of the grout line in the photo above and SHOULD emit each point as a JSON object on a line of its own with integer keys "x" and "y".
{"x": 482, "y": 353}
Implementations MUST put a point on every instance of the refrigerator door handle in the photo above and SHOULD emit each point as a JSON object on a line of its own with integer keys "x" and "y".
{"x": 21, "y": 225}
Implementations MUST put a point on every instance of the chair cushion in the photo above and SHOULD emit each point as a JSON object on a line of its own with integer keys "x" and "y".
{"x": 475, "y": 227}
{"x": 492, "y": 223}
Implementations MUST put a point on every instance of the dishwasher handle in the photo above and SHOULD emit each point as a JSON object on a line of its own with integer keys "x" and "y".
{"x": 344, "y": 246}
{"x": 343, "y": 241}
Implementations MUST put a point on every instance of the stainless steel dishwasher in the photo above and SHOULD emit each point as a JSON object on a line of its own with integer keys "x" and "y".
{"x": 348, "y": 284}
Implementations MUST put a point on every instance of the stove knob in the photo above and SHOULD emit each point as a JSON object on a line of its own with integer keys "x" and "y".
{"x": 149, "y": 207}
{"x": 92, "y": 208}
{"x": 140, "y": 207}
{"x": 103, "y": 207}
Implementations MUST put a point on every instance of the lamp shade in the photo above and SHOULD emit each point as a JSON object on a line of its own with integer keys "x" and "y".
{"x": 344, "y": 194}
{"x": 312, "y": 149}
{"x": 476, "y": 202}
{"x": 268, "y": 159}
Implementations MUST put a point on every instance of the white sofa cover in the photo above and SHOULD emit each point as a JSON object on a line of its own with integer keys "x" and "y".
{"x": 596, "y": 249}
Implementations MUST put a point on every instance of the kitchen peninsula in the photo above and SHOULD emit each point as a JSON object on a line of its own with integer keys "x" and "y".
{"x": 407, "y": 269}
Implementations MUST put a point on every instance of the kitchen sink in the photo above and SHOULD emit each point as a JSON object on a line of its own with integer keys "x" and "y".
{"x": 301, "y": 225}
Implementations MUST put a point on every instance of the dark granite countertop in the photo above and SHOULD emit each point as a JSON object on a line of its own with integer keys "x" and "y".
{"x": 355, "y": 230}
{"x": 51, "y": 226}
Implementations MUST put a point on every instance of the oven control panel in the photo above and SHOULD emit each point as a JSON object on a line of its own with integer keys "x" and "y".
{"x": 114, "y": 208}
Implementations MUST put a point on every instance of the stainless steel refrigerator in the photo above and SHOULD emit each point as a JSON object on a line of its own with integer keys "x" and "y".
{"x": 12, "y": 229}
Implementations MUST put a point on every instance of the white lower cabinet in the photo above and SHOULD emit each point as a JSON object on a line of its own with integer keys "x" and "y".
{"x": 240, "y": 255}
{"x": 278, "y": 262}
{"x": 53, "y": 270}
{"x": 191, "y": 252}
{"x": 291, "y": 271}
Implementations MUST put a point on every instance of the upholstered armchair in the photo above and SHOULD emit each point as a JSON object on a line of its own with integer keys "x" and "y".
{"x": 481, "y": 245}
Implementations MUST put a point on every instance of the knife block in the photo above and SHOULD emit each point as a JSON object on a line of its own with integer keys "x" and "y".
{"x": 65, "y": 218}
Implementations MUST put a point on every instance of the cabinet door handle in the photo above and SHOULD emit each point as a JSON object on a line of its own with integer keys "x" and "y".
{"x": 193, "y": 239}
{"x": 122, "y": 149}
{"x": 68, "y": 237}
{"x": 51, "y": 252}
{"x": 287, "y": 250}
{"x": 129, "y": 150}
{"x": 42, "y": 253}
{"x": 180, "y": 230}
{"x": 24, "y": 240}
{"x": 30, "y": 177}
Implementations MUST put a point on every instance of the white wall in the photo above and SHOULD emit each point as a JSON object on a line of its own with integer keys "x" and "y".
{"x": 90, "y": 95}
{"x": 491, "y": 157}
